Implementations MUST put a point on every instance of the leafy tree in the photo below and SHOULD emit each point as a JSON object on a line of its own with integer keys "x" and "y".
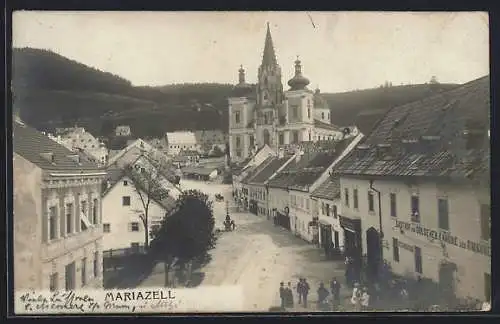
{"x": 188, "y": 234}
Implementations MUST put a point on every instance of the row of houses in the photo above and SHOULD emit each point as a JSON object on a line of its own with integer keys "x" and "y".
{"x": 412, "y": 195}
{"x": 68, "y": 210}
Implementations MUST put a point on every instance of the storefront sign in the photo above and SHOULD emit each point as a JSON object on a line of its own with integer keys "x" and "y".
{"x": 444, "y": 237}
{"x": 406, "y": 247}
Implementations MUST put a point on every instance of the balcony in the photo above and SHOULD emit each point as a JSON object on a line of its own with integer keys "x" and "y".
{"x": 71, "y": 242}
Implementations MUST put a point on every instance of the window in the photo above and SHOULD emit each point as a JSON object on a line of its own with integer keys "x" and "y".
{"x": 346, "y": 196}
{"x": 134, "y": 227}
{"x": 327, "y": 208}
{"x": 485, "y": 222}
{"x": 392, "y": 198}
{"x": 69, "y": 218}
{"x": 418, "y": 260}
{"x": 295, "y": 111}
{"x": 143, "y": 170}
{"x": 237, "y": 117}
{"x": 415, "y": 209}
{"x": 443, "y": 219}
{"x": 308, "y": 112}
{"x": 238, "y": 141}
{"x": 52, "y": 223}
{"x": 84, "y": 272}
{"x": 296, "y": 137}
{"x": 106, "y": 228}
{"x": 125, "y": 183}
{"x": 371, "y": 205}
{"x": 251, "y": 141}
{"x": 355, "y": 203}
{"x": 322, "y": 115}
{"x": 53, "y": 285}
{"x": 281, "y": 139}
{"x": 335, "y": 211}
{"x": 126, "y": 201}
{"x": 395, "y": 249}
{"x": 95, "y": 211}
{"x": 96, "y": 264}
{"x": 323, "y": 208}
{"x": 69, "y": 271}
{"x": 307, "y": 204}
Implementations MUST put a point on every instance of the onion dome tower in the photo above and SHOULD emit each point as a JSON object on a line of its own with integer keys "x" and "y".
{"x": 298, "y": 82}
{"x": 242, "y": 89}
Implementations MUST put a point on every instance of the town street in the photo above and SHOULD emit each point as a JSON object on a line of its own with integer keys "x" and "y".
{"x": 258, "y": 256}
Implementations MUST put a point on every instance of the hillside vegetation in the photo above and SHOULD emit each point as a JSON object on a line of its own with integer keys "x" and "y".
{"x": 53, "y": 91}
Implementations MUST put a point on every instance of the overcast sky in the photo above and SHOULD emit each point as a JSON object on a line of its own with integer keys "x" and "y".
{"x": 340, "y": 51}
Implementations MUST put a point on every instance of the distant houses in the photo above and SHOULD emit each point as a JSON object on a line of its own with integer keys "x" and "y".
{"x": 181, "y": 140}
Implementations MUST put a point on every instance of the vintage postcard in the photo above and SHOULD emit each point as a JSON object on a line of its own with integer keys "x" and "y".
{"x": 250, "y": 162}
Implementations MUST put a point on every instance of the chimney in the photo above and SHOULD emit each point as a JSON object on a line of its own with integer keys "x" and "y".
{"x": 281, "y": 153}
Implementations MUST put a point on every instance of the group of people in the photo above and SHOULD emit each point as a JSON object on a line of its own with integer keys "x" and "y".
{"x": 360, "y": 298}
{"x": 229, "y": 224}
{"x": 327, "y": 299}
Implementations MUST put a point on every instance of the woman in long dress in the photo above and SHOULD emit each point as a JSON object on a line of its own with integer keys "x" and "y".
{"x": 356, "y": 297}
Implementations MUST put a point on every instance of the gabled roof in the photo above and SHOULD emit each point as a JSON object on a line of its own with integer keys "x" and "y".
{"x": 138, "y": 143}
{"x": 253, "y": 172}
{"x": 273, "y": 165}
{"x": 46, "y": 153}
{"x": 329, "y": 189}
{"x": 198, "y": 170}
{"x": 301, "y": 173}
{"x": 116, "y": 175}
{"x": 323, "y": 125}
{"x": 427, "y": 138}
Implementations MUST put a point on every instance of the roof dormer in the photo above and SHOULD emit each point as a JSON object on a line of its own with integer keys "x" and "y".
{"x": 49, "y": 156}
{"x": 75, "y": 158}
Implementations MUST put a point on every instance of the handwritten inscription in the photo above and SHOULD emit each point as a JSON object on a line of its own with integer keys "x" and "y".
{"x": 59, "y": 301}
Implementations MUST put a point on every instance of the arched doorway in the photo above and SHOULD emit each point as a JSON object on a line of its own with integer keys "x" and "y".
{"x": 447, "y": 280}
{"x": 267, "y": 137}
{"x": 373, "y": 252}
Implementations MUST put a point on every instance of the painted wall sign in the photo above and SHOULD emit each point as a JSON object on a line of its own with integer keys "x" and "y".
{"x": 406, "y": 247}
{"x": 446, "y": 237}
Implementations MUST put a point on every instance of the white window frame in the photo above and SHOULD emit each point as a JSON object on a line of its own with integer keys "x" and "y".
{"x": 54, "y": 202}
{"x": 69, "y": 199}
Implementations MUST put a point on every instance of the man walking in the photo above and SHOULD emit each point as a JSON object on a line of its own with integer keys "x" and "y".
{"x": 335, "y": 289}
{"x": 282, "y": 294}
{"x": 305, "y": 291}
{"x": 300, "y": 290}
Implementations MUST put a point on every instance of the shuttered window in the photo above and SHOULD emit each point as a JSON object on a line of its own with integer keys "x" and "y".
{"x": 443, "y": 217}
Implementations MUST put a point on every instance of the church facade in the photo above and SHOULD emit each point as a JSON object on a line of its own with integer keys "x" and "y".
{"x": 266, "y": 114}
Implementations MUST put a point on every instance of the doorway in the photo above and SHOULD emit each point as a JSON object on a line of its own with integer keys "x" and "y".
{"x": 373, "y": 252}
{"x": 447, "y": 280}
{"x": 336, "y": 240}
{"x": 70, "y": 273}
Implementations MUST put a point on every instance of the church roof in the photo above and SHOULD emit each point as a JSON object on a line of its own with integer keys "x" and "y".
{"x": 269, "y": 57}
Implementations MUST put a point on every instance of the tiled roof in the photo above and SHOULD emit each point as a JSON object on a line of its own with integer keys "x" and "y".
{"x": 258, "y": 168}
{"x": 198, "y": 170}
{"x": 301, "y": 174}
{"x": 269, "y": 169}
{"x": 41, "y": 150}
{"x": 329, "y": 189}
{"x": 320, "y": 124}
{"x": 163, "y": 199}
{"x": 367, "y": 120}
{"x": 428, "y": 137}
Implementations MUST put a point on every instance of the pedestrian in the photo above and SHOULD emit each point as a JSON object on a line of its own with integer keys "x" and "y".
{"x": 356, "y": 296}
{"x": 305, "y": 291}
{"x": 322, "y": 296}
{"x": 289, "y": 295}
{"x": 282, "y": 294}
{"x": 365, "y": 300}
{"x": 300, "y": 290}
{"x": 335, "y": 289}
{"x": 233, "y": 225}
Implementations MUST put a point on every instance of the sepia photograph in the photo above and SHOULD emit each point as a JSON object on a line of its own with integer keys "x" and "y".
{"x": 260, "y": 161}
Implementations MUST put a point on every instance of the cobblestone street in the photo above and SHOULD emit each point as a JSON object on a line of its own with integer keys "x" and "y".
{"x": 258, "y": 256}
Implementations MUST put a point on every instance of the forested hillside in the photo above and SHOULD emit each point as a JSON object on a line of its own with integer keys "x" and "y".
{"x": 53, "y": 91}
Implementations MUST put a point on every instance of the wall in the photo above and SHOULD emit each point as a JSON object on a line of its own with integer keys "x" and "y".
{"x": 279, "y": 199}
{"x": 464, "y": 210}
{"x": 27, "y": 228}
{"x": 259, "y": 194}
{"x": 119, "y": 217}
{"x": 330, "y": 219}
{"x": 301, "y": 214}
{"x": 322, "y": 114}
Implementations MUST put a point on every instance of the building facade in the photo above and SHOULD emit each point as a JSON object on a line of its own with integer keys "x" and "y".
{"x": 123, "y": 208}
{"x": 420, "y": 196}
{"x": 57, "y": 215}
{"x": 181, "y": 141}
{"x": 268, "y": 115}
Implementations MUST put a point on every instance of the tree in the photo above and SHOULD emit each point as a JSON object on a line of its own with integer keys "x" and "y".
{"x": 147, "y": 181}
{"x": 187, "y": 234}
{"x": 217, "y": 152}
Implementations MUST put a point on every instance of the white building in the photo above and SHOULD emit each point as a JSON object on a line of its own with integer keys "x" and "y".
{"x": 182, "y": 140}
{"x": 78, "y": 138}
{"x": 123, "y": 207}
{"x": 301, "y": 177}
{"x": 208, "y": 139}
{"x": 123, "y": 131}
{"x": 57, "y": 215}
{"x": 420, "y": 193}
{"x": 327, "y": 207}
{"x": 268, "y": 115}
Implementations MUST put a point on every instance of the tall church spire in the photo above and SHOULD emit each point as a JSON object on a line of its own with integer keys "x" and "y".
{"x": 269, "y": 57}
